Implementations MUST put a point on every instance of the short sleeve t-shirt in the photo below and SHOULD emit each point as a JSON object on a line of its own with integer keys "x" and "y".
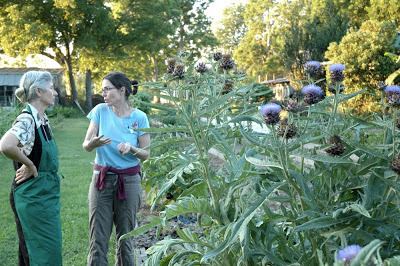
{"x": 118, "y": 129}
{"x": 24, "y": 129}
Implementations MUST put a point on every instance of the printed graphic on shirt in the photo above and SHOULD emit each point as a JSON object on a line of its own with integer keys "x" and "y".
{"x": 24, "y": 130}
{"x": 133, "y": 127}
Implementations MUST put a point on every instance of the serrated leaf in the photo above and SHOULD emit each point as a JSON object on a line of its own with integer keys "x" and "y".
{"x": 237, "y": 228}
{"x": 395, "y": 261}
{"x": 323, "y": 158}
{"x": 262, "y": 163}
{"x": 321, "y": 222}
{"x": 357, "y": 208}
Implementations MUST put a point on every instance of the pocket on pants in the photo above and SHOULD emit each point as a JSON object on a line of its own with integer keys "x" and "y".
{"x": 92, "y": 195}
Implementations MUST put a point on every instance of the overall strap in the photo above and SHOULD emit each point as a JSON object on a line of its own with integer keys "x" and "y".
{"x": 36, "y": 152}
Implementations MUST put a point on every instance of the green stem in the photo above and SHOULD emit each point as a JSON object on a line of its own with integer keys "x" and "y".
{"x": 282, "y": 160}
{"x": 204, "y": 161}
{"x": 394, "y": 113}
{"x": 334, "y": 110}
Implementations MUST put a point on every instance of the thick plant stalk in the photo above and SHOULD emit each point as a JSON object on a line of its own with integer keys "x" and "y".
{"x": 394, "y": 118}
{"x": 282, "y": 160}
{"x": 202, "y": 150}
{"x": 334, "y": 110}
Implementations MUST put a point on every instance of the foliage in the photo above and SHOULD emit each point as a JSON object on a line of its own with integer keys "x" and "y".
{"x": 281, "y": 37}
{"x": 254, "y": 52}
{"x": 363, "y": 53}
{"x": 232, "y": 27}
{"x": 141, "y": 101}
{"x": 273, "y": 200}
{"x": 192, "y": 27}
{"x": 58, "y": 114}
{"x": 8, "y": 116}
{"x": 384, "y": 10}
{"x": 142, "y": 41}
{"x": 62, "y": 27}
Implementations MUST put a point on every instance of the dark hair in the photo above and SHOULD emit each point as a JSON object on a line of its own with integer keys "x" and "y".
{"x": 120, "y": 80}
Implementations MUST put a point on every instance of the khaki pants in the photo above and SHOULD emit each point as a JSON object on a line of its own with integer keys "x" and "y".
{"x": 105, "y": 210}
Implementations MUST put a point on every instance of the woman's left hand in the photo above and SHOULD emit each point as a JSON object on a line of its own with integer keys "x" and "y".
{"x": 124, "y": 148}
{"x": 24, "y": 172}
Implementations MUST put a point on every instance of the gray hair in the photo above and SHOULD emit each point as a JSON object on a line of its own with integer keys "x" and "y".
{"x": 30, "y": 81}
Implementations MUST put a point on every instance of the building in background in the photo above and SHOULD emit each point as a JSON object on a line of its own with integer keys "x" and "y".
{"x": 9, "y": 82}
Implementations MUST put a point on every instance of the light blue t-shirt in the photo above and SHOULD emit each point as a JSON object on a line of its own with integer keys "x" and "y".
{"x": 118, "y": 129}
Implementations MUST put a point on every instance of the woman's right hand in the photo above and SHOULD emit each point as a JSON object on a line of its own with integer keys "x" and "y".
{"x": 99, "y": 141}
{"x": 25, "y": 172}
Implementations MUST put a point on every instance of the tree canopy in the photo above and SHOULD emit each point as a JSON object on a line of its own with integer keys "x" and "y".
{"x": 58, "y": 29}
{"x": 363, "y": 53}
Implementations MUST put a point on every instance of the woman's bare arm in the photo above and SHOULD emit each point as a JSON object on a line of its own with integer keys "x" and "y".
{"x": 92, "y": 141}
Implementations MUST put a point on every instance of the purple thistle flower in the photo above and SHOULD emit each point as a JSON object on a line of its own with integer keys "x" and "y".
{"x": 393, "y": 94}
{"x": 336, "y": 67}
{"x": 348, "y": 253}
{"x": 336, "y": 71}
{"x": 313, "y": 69}
{"x": 392, "y": 89}
{"x": 312, "y": 94}
{"x": 270, "y": 112}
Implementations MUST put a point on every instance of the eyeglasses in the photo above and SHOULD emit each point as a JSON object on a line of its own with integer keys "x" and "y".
{"x": 107, "y": 89}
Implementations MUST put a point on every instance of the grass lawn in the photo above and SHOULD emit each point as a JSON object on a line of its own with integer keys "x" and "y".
{"x": 76, "y": 168}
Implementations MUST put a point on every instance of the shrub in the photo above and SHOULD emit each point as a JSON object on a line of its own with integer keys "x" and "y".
{"x": 363, "y": 53}
{"x": 8, "y": 115}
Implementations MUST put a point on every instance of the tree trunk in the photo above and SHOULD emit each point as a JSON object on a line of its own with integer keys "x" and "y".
{"x": 72, "y": 83}
{"x": 61, "y": 99}
{"x": 71, "y": 79}
{"x": 156, "y": 97}
{"x": 88, "y": 89}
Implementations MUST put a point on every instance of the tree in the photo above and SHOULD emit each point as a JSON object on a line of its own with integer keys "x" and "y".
{"x": 58, "y": 29}
{"x": 255, "y": 52}
{"x": 363, "y": 53}
{"x": 232, "y": 28}
{"x": 150, "y": 32}
{"x": 307, "y": 36}
{"x": 192, "y": 27}
{"x": 356, "y": 12}
{"x": 385, "y": 10}
{"x": 282, "y": 36}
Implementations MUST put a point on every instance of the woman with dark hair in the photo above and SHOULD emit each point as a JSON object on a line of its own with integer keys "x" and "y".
{"x": 35, "y": 192}
{"x": 115, "y": 190}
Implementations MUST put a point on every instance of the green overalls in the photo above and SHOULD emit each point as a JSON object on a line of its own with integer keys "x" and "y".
{"x": 37, "y": 206}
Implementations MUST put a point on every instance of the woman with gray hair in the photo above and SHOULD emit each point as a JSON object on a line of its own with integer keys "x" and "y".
{"x": 35, "y": 192}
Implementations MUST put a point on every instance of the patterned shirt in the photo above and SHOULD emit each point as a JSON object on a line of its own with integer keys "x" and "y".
{"x": 24, "y": 131}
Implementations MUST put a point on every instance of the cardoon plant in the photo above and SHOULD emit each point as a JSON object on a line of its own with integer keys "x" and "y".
{"x": 313, "y": 70}
{"x": 392, "y": 93}
{"x": 348, "y": 253}
{"x": 270, "y": 201}
{"x": 312, "y": 94}
{"x": 286, "y": 130}
{"x": 179, "y": 71}
{"x": 226, "y": 62}
{"x": 205, "y": 123}
{"x": 201, "y": 67}
{"x": 336, "y": 73}
{"x": 395, "y": 165}
{"x": 270, "y": 113}
{"x": 217, "y": 56}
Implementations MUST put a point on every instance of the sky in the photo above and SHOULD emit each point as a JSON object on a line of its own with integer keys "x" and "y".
{"x": 216, "y": 9}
